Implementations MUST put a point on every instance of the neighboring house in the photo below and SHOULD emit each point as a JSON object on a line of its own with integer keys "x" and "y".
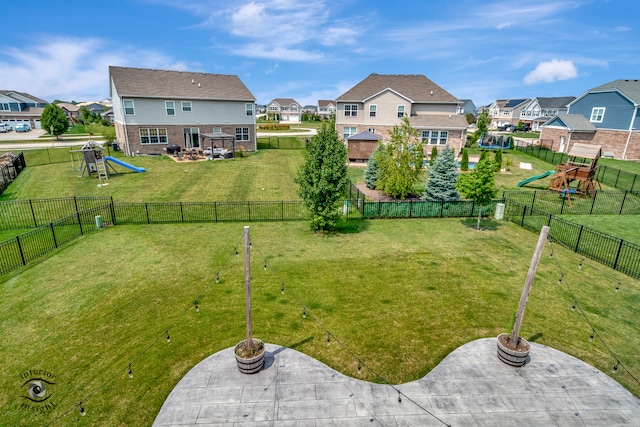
{"x": 18, "y": 107}
{"x": 540, "y": 109}
{"x": 466, "y": 107}
{"x": 286, "y": 108}
{"x": 72, "y": 111}
{"x": 94, "y": 107}
{"x": 326, "y": 108}
{"x": 506, "y": 111}
{"x": 611, "y": 110}
{"x": 107, "y": 115}
{"x": 381, "y": 101}
{"x": 154, "y": 108}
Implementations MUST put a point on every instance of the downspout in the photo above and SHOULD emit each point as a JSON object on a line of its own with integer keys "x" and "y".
{"x": 633, "y": 118}
{"x": 124, "y": 123}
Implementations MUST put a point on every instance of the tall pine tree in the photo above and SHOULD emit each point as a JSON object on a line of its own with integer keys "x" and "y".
{"x": 371, "y": 171}
{"x": 441, "y": 183}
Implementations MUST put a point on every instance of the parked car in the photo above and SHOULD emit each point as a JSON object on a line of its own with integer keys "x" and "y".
{"x": 524, "y": 127}
{"x": 22, "y": 127}
{"x": 5, "y": 127}
{"x": 507, "y": 128}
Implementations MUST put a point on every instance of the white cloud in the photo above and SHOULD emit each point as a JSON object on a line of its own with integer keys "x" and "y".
{"x": 72, "y": 69}
{"x": 551, "y": 71}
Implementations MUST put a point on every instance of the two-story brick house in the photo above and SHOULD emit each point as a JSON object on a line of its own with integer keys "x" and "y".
{"x": 154, "y": 108}
{"x": 609, "y": 115}
{"x": 381, "y": 101}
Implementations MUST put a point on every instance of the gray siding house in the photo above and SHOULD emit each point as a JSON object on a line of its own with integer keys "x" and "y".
{"x": 19, "y": 107}
{"x": 612, "y": 110}
{"x": 154, "y": 108}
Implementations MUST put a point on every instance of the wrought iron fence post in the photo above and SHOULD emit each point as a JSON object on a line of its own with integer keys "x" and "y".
{"x": 53, "y": 234}
{"x": 33, "y": 214}
{"x": 593, "y": 203}
{"x": 617, "y": 177}
{"x": 524, "y": 212}
{"x": 79, "y": 223}
{"x": 24, "y": 262}
{"x": 215, "y": 210}
{"x": 624, "y": 198}
{"x": 564, "y": 198}
{"x": 578, "y": 240}
{"x": 615, "y": 263}
{"x": 113, "y": 212}
{"x": 146, "y": 209}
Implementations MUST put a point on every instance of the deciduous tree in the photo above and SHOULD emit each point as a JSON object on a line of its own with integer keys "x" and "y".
{"x": 53, "y": 117}
{"x": 478, "y": 185}
{"x": 400, "y": 161}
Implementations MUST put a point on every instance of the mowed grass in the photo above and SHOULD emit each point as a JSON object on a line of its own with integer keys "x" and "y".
{"x": 264, "y": 175}
{"x": 622, "y": 226}
{"x": 401, "y": 295}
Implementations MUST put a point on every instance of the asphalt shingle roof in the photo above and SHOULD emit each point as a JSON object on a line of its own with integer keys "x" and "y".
{"x": 439, "y": 121}
{"x": 631, "y": 88}
{"x": 555, "y": 102}
{"x": 417, "y": 88}
{"x": 575, "y": 122}
{"x": 148, "y": 83}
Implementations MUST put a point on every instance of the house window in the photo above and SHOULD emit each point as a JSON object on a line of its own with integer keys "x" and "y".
{"x": 435, "y": 137}
{"x": 249, "y": 109}
{"x": 186, "y": 106}
{"x": 351, "y": 110}
{"x": 128, "y": 107}
{"x": 170, "y": 107}
{"x": 4, "y": 107}
{"x": 153, "y": 136}
{"x": 348, "y": 131}
{"x": 372, "y": 110}
{"x": 597, "y": 114}
{"x": 242, "y": 134}
{"x": 400, "y": 111}
{"x": 284, "y": 108}
{"x": 217, "y": 130}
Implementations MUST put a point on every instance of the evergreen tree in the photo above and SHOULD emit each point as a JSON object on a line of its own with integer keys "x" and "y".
{"x": 497, "y": 161}
{"x": 371, "y": 171}
{"x": 464, "y": 162}
{"x": 54, "y": 117}
{"x": 323, "y": 177}
{"x": 441, "y": 183}
{"x": 478, "y": 185}
{"x": 434, "y": 155}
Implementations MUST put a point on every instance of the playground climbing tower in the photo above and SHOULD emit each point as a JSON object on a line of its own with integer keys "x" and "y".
{"x": 580, "y": 169}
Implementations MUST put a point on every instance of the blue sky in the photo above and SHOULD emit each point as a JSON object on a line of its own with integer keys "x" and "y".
{"x": 310, "y": 50}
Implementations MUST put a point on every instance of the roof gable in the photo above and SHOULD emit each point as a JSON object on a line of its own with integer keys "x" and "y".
{"x": 414, "y": 87}
{"x": 148, "y": 83}
{"x": 573, "y": 122}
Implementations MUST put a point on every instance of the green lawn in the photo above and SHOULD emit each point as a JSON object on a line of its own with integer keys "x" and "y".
{"x": 400, "y": 294}
{"x": 622, "y": 226}
{"x": 264, "y": 175}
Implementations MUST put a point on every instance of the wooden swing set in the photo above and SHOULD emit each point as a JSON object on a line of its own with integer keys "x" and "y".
{"x": 579, "y": 168}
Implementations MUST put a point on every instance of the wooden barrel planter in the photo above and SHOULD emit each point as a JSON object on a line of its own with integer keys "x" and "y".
{"x": 250, "y": 364}
{"x": 509, "y": 355}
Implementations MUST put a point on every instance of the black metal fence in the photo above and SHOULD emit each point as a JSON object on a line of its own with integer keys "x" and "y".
{"x": 611, "y": 251}
{"x": 36, "y": 243}
{"x": 10, "y": 171}
{"x": 542, "y": 152}
{"x": 600, "y": 203}
{"x": 622, "y": 180}
{"x": 282, "y": 142}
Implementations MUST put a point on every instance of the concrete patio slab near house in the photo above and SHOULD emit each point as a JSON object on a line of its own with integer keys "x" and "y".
{"x": 470, "y": 387}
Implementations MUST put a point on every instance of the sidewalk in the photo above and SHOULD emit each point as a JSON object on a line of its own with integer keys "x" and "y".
{"x": 471, "y": 387}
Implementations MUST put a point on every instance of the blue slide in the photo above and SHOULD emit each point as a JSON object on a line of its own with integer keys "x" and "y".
{"x": 125, "y": 164}
{"x": 535, "y": 177}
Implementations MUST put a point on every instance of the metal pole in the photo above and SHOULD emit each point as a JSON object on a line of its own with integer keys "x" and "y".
{"x": 513, "y": 340}
{"x": 247, "y": 287}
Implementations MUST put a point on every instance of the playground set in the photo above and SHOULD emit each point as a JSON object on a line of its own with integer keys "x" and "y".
{"x": 580, "y": 168}
{"x": 91, "y": 160}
